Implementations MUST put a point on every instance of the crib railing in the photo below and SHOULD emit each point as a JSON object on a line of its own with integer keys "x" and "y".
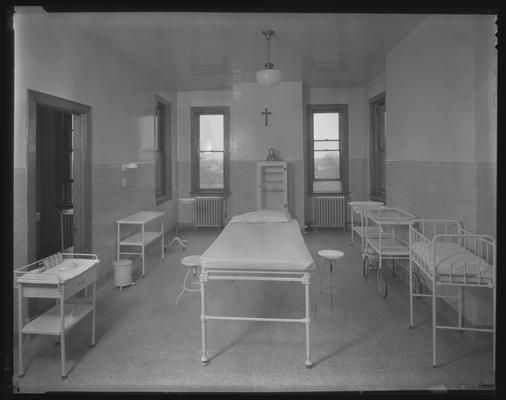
{"x": 451, "y": 231}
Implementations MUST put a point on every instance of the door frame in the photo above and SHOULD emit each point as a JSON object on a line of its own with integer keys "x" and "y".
{"x": 374, "y": 194}
{"x": 81, "y": 189}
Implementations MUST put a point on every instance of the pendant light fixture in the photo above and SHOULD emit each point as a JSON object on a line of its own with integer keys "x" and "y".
{"x": 269, "y": 75}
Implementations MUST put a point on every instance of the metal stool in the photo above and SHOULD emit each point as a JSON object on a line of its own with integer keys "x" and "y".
{"x": 329, "y": 257}
{"x": 193, "y": 264}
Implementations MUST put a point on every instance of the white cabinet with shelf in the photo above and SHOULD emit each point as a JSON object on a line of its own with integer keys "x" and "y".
{"x": 144, "y": 236}
{"x": 272, "y": 189}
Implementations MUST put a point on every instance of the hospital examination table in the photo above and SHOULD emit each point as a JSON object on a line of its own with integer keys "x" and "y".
{"x": 258, "y": 246}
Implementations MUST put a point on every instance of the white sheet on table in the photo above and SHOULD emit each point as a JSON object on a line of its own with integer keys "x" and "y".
{"x": 452, "y": 257}
{"x": 261, "y": 216}
{"x": 264, "y": 246}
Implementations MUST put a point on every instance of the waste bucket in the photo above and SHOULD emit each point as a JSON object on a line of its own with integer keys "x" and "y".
{"x": 123, "y": 273}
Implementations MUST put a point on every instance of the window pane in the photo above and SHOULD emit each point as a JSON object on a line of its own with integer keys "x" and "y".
{"x": 327, "y": 186}
{"x": 328, "y": 145}
{"x": 211, "y": 170}
{"x": 211, "y": 132}
{"x": 325, "y": 126}
{"x": 326, "y": 164}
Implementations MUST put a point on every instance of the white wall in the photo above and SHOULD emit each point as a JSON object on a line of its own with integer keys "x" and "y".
{"x": 485, "y": 87}
{"x": 440, "y": 134}
{"x": 431, "y": 92}
{"x": 62, "y": 59}
{"x": 250, "y": 138}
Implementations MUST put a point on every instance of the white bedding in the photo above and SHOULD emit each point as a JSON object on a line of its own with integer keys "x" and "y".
{"x": 269, "y": 246}
{"x": 451, "y": 257}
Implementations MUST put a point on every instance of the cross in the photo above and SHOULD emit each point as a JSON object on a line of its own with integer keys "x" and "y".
{"x": 266, "y": 113}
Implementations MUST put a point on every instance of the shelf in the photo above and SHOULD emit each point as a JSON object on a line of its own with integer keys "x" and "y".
{"x": 49, "y": 322}
{"x": 272, "y": 189}
{"x": 136, "y": 238}
{"x": 141, "y": 217}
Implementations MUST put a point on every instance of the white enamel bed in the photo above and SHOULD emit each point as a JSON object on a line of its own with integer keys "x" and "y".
{"x": 258, "y": 246}
{"x": 447, "y": 255}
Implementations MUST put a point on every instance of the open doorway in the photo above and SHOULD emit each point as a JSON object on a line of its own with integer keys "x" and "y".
{"x": 59, "y": 176}
{"x": 54, "y": 205}
{"x": 59, "y": 179}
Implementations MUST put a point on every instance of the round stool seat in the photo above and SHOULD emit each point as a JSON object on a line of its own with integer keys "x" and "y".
{"x": 331, "y": 254}
{"x": 191, "y": 261}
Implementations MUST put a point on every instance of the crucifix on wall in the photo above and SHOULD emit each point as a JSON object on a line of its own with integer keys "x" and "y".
{"x": 266, "y": 113}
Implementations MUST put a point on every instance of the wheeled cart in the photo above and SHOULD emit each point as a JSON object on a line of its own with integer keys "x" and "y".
{"x": 58, "y": 277}
{"x": 357, "y": 219}
{"x": 385, "y": 237}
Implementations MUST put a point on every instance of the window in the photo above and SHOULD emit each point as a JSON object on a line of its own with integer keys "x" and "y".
{"x": 210, "y": 150}
{"x": 163, "y": 159}
{"x": 377, "y": 147}
{"x": 327, "y": 159}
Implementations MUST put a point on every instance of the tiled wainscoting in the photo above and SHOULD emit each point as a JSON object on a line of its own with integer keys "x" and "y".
{"x": 19, "y": 217}
{"x": 462, "y": 191}
{"x": 110, "y": 200}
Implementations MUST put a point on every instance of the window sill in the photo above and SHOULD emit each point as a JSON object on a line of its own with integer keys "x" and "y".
{"x": 374, "y": 197}
{"x": 210, "y": 194}
{"x": 161, "y": 200}
{"x": 314, "y": 194}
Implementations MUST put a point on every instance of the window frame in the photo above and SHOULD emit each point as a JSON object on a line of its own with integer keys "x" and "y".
{"x": 196, "y": 112}
{"x": 375, "y": 192}
{"x": 167, "y": 151}
{"x": 342, "y": 110}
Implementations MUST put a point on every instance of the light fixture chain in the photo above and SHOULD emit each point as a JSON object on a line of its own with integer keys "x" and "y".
{"x": 268, "y": 50}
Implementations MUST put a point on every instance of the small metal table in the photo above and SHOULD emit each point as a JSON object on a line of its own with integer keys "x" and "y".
{"x": 143, "y": 237}
{"x": 58, "y": 277}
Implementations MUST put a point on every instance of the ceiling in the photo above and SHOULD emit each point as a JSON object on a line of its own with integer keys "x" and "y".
{"x": 212, "y": 51}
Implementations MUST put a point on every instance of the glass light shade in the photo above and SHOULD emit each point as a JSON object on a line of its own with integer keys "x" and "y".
{"x": 269, "y": 76}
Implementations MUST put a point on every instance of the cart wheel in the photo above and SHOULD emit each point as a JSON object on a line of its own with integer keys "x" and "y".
{"x": 365, "y": 266}
{"x": 417, "y": 285}
{"x": 382, "y": 283}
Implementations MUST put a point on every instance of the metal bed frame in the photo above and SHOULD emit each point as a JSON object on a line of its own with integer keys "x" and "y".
{"x": 483, "y": 247}
{"x": 303, "y": 277}
{"x": 384, "y": 240}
